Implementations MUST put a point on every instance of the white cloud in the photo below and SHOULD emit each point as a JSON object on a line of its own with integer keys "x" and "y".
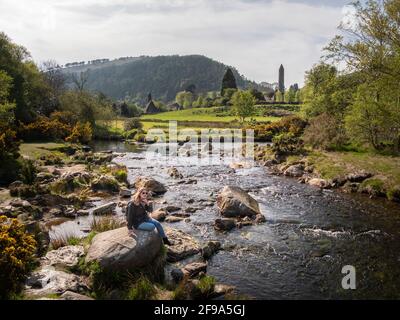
{"x": 253, "y": 36}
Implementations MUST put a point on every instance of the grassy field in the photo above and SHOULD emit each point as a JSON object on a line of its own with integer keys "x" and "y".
{"x": 201, "y": 115}
{"x": 196, "y": 119}
{"x": 36, "y": 150}
{"x": 196, "y": 125}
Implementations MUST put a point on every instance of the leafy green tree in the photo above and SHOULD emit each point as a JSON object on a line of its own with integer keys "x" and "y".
{"x": 200, "y": 102}
{"x": 375, "y": 121}
{"x": 160, "y": 105}
{"x": 299, "y": 96}
{"x": 290, "y": 95}
{"x": 228, "y": 81}
{"x": 326, "y": 91}
{"x": 279, "y": 97}
{"x": 9, "y": 145}
{"x": 185, "y": 99}
{"x": 243, "y": 104}
{"x": 257, "y": 94}
{"x": 29, "y": 91}
{"x": 86, "y": 106}
{"x": 180, "y": 98}
{"x": 369, "y": 46}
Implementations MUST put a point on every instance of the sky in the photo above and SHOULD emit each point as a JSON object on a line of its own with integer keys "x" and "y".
{"x": 254, "y": 36}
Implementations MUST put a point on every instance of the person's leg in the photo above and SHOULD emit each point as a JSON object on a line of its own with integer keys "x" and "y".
{"x": 159, "y": 227}
{"x": 146, "y": 226}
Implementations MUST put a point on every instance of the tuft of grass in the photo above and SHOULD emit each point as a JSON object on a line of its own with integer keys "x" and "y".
{"x": 63, "y": 241}
{"x": 89, "y": 238}
{"x": 121, "y": 175}
{"x": 206, "y": 285}
{"x": 105, "y": 223}
{"x": 142, "y": 289}
{"x": 73, "y": 241}
{"x": 179, "y": 292}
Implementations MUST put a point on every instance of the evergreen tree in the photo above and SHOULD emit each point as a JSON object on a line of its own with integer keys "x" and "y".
{"x": 228, "y": 82}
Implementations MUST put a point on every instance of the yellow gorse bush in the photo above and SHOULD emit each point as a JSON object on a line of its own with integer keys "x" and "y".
{"x": 17, "y": 250}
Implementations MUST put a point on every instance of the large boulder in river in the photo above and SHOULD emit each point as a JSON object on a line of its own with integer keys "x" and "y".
{"x": 150, "y": 184}
{"x": 117, "y": 250}
{"x": 235, "y": 202}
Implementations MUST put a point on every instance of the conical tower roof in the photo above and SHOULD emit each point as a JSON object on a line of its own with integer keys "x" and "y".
{"x": 151, "y": 108}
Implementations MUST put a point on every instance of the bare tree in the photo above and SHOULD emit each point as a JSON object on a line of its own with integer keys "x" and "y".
{"x": 81, "y": 80}
{"x": 54, "y": 76}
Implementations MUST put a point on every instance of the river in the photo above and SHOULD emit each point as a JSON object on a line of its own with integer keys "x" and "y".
{"x": 299, "y": 253}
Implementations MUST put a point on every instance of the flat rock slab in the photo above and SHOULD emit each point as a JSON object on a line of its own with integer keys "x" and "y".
{"x": 65, "y": 256}
{"x": 104, "y": 209}
{"x": 48, "y": 281}
{"x": 117, "y": 250}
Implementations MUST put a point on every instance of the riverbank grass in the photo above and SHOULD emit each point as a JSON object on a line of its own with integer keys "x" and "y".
{"x": 385, "y": 170}
{"x": 37, "y": 150}
{"x": 333, "y": 164}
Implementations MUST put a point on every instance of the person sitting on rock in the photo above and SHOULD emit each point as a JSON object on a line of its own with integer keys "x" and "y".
{"x": 137, "y": 215}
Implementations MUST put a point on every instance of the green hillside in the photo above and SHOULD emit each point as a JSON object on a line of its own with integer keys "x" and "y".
{"x": 163, "y": 76}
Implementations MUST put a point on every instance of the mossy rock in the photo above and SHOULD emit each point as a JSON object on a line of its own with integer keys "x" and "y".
{"x": 106, "y": 183}
{"x": 393, "y": 194}
{"x": 373, "y": 187}
{"x": 23, "y": 191}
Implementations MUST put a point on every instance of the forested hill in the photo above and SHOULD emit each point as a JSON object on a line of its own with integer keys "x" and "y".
{"x": 163, "y": 76}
